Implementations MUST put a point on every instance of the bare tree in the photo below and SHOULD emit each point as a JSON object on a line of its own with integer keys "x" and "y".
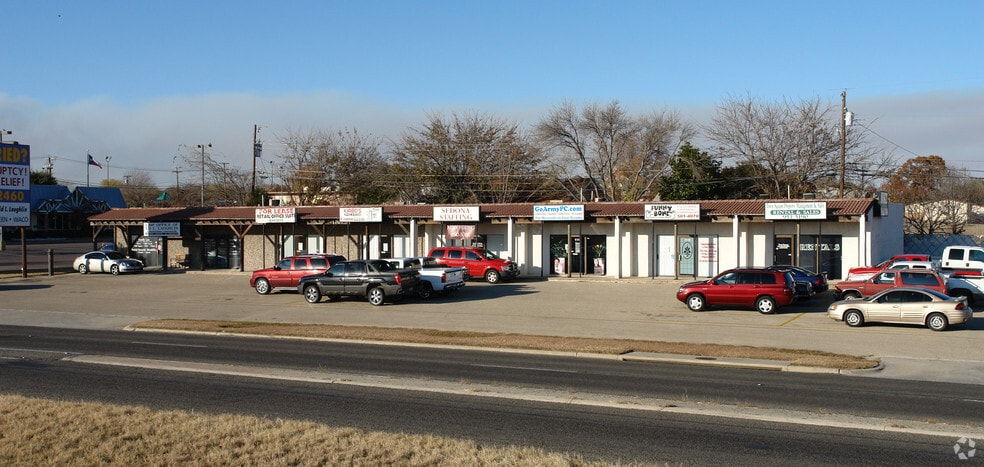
{"x": 608, "y": 154}
{"x": 332, "y": 167}
{"x": 795, "y": 147}
{"x": 467, "y": 158}
{"x": 138, "y": 189}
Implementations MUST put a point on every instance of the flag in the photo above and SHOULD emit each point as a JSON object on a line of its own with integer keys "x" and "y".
{"x": 93, "y": 161}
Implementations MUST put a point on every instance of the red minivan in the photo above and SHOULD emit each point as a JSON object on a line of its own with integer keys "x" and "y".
{"x": 752, "y": 287}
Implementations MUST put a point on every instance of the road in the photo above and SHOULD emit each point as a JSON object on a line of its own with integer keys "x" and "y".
{"x": 602, "y": 408}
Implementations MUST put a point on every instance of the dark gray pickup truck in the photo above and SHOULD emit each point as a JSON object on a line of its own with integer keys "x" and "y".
{"x": 375, "y": 280}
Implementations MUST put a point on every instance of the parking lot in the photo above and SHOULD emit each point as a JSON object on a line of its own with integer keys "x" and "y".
{"x": 634, "y": 309}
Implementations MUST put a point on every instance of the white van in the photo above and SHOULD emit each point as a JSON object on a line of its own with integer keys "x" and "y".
{"x": 962, "y": 258}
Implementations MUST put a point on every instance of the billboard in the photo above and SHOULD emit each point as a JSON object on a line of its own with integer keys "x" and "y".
{"x": 15, "y": 185}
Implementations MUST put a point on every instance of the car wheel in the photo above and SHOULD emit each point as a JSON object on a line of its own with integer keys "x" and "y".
{"x": 696, "y": 302}
{"x": 262, "y": 286}
{"x": 426, "y": 291}
{"x": 850, "y": 295}
{"x": 376, "y": 296}
{"x": 854, "y": 318}
{"x": 936, "y": 322}
{"x": 83, "y": 269}
{"x": 765, "y": 305}
{"x": 492, "y": 276}
{"x": 312, "y": 294}
{"x": 115, "y": 269}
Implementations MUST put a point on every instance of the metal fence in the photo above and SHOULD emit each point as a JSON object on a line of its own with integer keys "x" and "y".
{"x": 934, "y": 244}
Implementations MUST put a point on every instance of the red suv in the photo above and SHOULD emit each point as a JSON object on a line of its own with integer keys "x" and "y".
{"x": 289, "y": 271}
{"x": 753, "y": 287}
{"x": 478, "y": 261}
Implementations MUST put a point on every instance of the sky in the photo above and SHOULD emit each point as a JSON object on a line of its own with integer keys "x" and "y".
{"x": 144, "y": 83}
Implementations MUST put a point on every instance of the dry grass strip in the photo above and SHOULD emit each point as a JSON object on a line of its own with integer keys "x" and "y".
{"x": 516, "y": 341}
{"x": 36, "y": 432}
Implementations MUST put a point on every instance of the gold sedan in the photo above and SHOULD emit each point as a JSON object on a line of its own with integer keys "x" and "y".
{"x": 906, "y": 305}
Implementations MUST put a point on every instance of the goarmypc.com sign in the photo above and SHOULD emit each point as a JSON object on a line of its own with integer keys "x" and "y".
{"x": 792, "y": 211}
{"x": 558, "y": 212}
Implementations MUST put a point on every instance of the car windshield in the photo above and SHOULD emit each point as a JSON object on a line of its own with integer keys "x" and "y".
{"x": 488, "y": 254}
{"x": 115, "y": 255}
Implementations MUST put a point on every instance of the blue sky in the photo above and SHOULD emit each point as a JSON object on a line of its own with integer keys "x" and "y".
{"x": 136, "y": 80}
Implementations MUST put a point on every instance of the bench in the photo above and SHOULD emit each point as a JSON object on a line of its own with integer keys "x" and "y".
{"x": 180, "y": 261}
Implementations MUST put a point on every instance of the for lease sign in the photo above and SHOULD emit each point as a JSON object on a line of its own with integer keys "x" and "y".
{"x": 15, "y": 185}
{"x": 276, "y": 215}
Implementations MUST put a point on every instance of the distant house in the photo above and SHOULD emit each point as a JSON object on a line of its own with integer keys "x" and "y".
{"x": 57, "y": 211}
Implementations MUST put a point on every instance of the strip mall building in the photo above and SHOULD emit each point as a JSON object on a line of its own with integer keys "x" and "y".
{"x": 616, "y": 240}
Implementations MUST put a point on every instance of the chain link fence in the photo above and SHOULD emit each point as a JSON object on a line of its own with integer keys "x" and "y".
{"x": 934, "y": 244}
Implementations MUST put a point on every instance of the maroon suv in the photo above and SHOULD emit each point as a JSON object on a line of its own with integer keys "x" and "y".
{"x": 745, "y": 287}
{"x": 289, "y": 271}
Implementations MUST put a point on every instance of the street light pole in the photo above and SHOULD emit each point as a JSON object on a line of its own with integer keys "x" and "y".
{"x": 202, "y": 147}
{"x": 108, "y": 158}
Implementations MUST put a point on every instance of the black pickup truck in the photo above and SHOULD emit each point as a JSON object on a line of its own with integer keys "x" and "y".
{"x": 376, "y": 280}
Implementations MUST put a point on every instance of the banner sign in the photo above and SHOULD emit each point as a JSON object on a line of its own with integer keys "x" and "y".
{"x": 672, "y": 212}
{"x": 558, "y": 212}
{"x": 794, "y": 211}
{"x": 162, "y": 229}
{"x": 15, "y": 185}
{"x": 456, "y": 213}
{"x": 360, "y": 214}
{"x": 276, "y": 215}
{"x": 460, "y": 232}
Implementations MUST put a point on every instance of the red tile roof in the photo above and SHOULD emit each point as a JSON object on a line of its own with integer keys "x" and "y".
{"x": 247, "y": 214}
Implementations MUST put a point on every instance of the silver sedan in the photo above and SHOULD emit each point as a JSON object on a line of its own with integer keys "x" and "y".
{"x": 112, "y": 262}
{"x": 907, "y": 305}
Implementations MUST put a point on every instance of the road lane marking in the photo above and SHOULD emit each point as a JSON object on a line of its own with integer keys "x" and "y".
{"x": 506, "y": 367}
{"x": 164, "y": 344}
{"x": 794, "y": 318}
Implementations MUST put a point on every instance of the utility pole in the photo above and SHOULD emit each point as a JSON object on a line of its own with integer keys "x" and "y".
{"x": 847, "y": 119}
{"x": 257, "y": 151}
{"x": 49, "y": 166}
{"x": 202, "y": 147}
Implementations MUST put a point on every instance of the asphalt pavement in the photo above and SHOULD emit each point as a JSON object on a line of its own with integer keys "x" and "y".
{"x": 644, "y": 309}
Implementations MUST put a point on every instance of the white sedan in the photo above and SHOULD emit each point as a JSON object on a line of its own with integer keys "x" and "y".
{"x": 112, "y": 262}
{"x": 906, "y": 305}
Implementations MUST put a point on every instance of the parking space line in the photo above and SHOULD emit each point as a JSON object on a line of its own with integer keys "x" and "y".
{"x": 794, "y": 318}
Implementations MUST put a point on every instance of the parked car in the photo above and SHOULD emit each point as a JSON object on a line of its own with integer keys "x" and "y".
{"x": 962, "y": 258}
{"x": 924, "y": 278}
{"x": 478, "y": 261}
{"x": 112, "y": 262}
{"x": 752, "y": 287}
{"x": 865, "y": 272}
{"x": 817, "y": 281}
{"x": 435, "y": 278}
{"x": 907, "y": 305}
{"x": 289, "y": 271}
{"x": 376, "y": 279}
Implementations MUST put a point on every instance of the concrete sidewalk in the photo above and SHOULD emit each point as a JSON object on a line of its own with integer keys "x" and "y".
{"x": 643, "y": 309}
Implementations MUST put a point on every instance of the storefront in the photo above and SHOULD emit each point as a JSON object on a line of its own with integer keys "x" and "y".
{"x": 676, "y": 240}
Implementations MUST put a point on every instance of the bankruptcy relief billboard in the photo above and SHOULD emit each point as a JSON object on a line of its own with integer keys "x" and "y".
{"x": 15, "y": 185}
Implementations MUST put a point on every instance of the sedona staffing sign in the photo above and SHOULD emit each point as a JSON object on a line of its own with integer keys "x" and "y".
{"x": 15, "y": 185}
